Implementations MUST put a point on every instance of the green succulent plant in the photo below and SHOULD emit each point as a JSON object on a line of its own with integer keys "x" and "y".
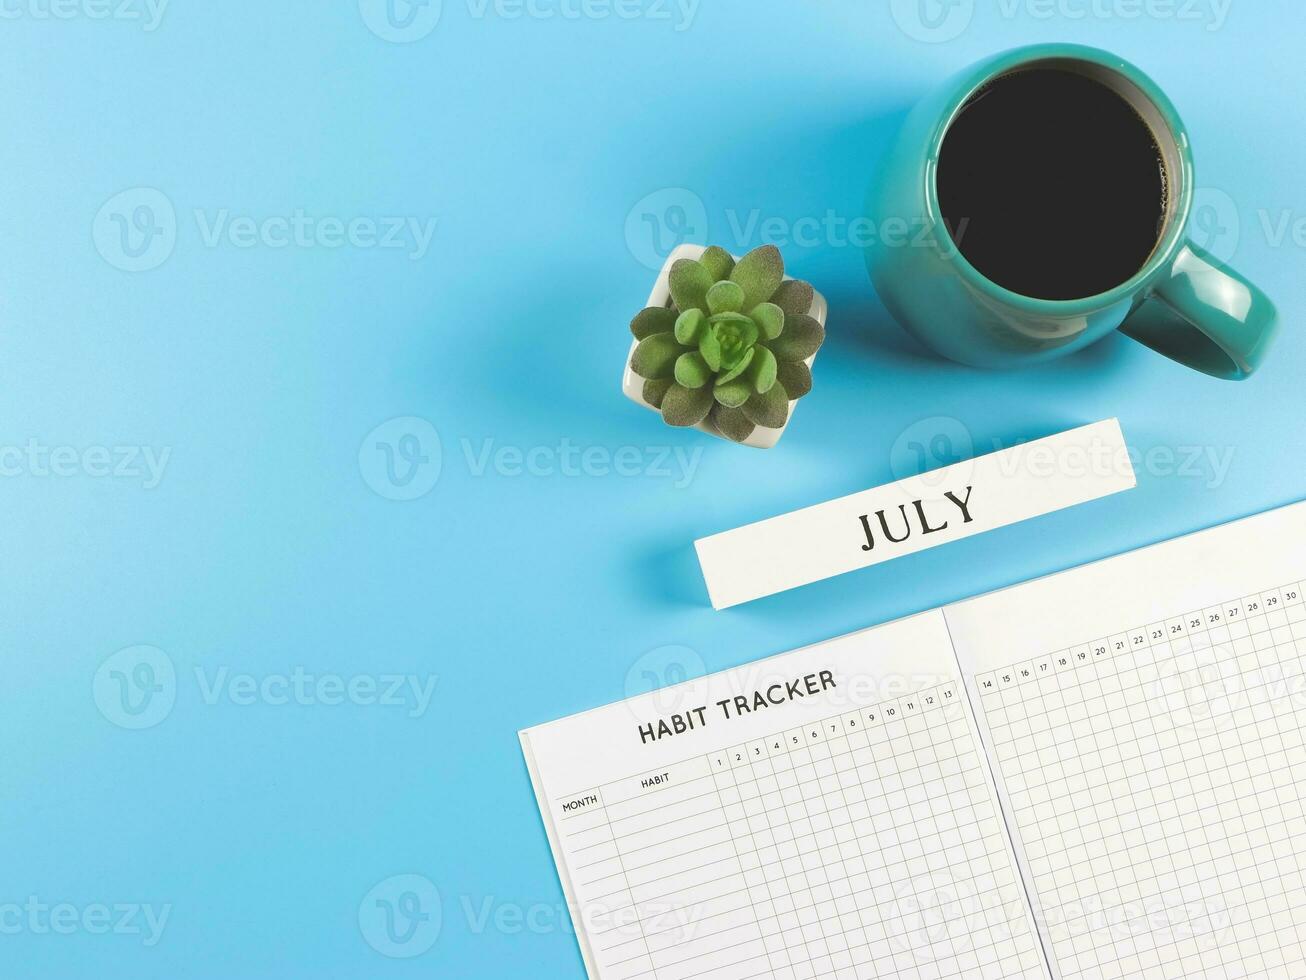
{"x": 733, "y": 347}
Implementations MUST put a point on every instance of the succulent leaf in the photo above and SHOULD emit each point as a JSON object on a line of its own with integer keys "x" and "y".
{"x": 655, "y": 357}
{"x": 732, "y": 423}
{"x": 802, "y": 337}
{"x": 692, "y": 371}
{"x": 710, "y": 348}
{"x": 690, "y": 326}
{"x": 732, "y": 394}
{"x": 655, "y": 391}
{"x": 725, "y": 297}
{"x": 718, "y": 262}
{"x": 689, "y": 283}
{"x": 770, "y": 410}
{"x": 770, "y": 319}
{"x": 794, "y": 297}
{"x": 762, "y": 371}
{"x": 683, "y": 406}
{"x": 737, "y": 369}
{"x": 736, "y": 333}
{"x": 655, "y": 319}
{"x": 760, "y": 273}
{"x": 796, "y": 376}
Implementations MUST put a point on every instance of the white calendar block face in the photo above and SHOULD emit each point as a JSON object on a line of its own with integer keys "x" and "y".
{"x": 833, "y": 838}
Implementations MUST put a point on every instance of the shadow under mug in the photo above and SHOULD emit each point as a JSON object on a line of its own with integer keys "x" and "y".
{"x": 1183, "y": 303}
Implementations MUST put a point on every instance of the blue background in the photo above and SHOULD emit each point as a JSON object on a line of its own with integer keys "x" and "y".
{"x": 533, "y": 585}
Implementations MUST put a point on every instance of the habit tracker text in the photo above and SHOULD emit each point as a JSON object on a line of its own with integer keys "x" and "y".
{"x": 741, "y": 704}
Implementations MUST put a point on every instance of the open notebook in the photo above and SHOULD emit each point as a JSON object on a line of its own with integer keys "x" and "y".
{"x": 1096, "y": 774}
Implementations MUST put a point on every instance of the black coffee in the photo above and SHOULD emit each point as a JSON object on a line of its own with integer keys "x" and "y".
{"x": 1052, "y": 185}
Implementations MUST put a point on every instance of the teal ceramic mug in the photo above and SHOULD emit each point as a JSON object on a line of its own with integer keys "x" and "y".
{"x": 1183, "y": 302}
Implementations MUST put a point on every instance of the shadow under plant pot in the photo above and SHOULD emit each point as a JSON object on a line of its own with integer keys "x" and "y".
{"x": 786, "y": 358}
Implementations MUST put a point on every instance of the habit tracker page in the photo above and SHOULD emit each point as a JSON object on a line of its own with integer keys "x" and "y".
{"x": 1144, "y": 716}
{"x": 824, "y": 813}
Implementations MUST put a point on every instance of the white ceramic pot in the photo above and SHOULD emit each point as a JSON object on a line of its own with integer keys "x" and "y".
{"x": 632, "y": 385}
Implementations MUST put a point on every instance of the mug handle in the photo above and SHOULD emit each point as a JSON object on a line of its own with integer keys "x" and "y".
{"x": 1206, "y": 316}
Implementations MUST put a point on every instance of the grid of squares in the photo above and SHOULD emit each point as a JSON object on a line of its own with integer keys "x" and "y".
{"x": 1152, "y": 777}
{"x": 864, "y": 845}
